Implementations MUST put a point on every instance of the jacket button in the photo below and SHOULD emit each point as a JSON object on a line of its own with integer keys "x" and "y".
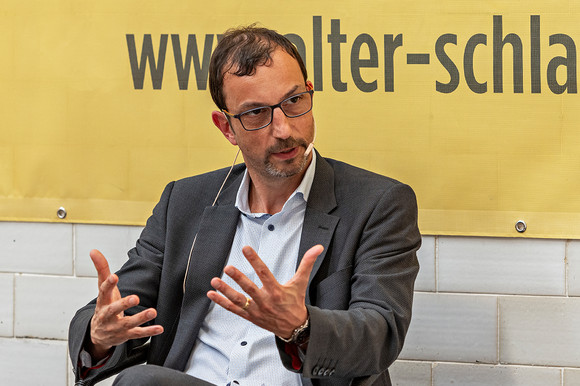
{"x": 321, "y": 371}
{"x": 326, "y": 373}
{"x": 331, "y": 373}
{"x": 315, "y": 370}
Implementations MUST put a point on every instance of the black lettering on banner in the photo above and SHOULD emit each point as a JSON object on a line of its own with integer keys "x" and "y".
{"x": 337, "y": 41}
{"x": 473, "y": 84}
{"x": 569, "y": 61}
{"x": 535, "y": 54}
{"x": 356, "y": 62}
{"x": 147, "y": 55}
{"x": 317, "y": 51}
{"x": 417, "y": 58}
{"x": 498, "y": 44}
{"x": 192, "y": 53}
{"x": 391, "y": 45}
{"x": 447, "y": 63}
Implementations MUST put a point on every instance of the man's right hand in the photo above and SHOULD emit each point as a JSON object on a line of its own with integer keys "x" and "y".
{"x": 109, "y": 326}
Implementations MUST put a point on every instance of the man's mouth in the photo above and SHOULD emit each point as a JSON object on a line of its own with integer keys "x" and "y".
{"x": 286, "y": 153}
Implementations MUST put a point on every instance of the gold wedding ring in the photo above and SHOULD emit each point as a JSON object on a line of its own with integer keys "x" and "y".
{"x": 247, "y": 304}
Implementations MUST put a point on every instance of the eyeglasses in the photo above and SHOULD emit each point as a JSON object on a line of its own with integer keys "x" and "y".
{"x": 260, "y": 117}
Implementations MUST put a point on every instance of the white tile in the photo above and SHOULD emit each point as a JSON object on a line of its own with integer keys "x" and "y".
{"x": 447, "y": 374}
{"x": 36, "y": 248}
{"x": 571, "y": 377}
{"x": 452, "y": 327}
{"x": 501, "y": 265}
{"x": 6, "y": 304}
{"x": 112, "y": 240}
{"x": 539, "y": 330}
{"x": 46, "y": 304}
{"x": 426, "y": 255}
{"x": 407, "y": 373}
{"x": 573, "y": 256}
{"x": 33, "y": 362}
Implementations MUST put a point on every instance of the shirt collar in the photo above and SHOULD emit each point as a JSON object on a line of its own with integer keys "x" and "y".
{"x": 303, "y": 189}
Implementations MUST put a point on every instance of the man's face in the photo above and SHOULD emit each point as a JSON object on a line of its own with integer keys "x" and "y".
{"x": 278, "y": 149}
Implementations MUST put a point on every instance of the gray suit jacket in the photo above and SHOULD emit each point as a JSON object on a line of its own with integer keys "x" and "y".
{"x": 360, "y": 291}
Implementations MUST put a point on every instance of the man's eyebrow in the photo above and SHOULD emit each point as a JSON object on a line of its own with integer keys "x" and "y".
{"x": 252, "y": 105}
{"x": 291, "y": 92}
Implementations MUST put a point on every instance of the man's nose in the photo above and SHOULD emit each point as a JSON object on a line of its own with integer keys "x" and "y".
{"x": 280, "y": 124}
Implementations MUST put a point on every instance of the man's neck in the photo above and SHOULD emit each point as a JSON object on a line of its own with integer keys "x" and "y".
{"x": 269, "y": 194}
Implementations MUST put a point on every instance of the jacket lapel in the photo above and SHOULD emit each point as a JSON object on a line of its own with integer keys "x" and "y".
{"x": 319, "y": 226}
{"x": 210, "y": 253}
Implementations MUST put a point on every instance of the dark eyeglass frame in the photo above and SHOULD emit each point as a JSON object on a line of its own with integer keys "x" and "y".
{"x": 238, "y": 116}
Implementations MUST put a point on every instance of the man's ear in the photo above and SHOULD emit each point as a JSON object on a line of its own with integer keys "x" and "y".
{"x": 309, "y": 85}
{"x": 221, "y": 122}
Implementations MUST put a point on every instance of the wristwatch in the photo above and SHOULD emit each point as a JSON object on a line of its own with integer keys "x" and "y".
{"x": 300, "y": 335}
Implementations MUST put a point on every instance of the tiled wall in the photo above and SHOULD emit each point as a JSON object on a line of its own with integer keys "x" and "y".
{"x": 487, "y": 311}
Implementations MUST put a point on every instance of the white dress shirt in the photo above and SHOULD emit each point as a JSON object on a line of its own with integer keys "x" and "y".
{"x": 230, "y": 349}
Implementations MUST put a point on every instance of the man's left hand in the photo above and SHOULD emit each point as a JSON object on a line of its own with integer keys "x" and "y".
{"x": 279, "y": 308}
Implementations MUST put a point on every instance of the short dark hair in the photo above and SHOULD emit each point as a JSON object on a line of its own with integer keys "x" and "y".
{"x": 240, "y": 51}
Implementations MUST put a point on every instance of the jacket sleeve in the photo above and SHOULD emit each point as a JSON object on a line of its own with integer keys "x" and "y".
{"x": 365, "y": 337}
{"x": 123, "y": 356}
{"x": 140, "y": 275}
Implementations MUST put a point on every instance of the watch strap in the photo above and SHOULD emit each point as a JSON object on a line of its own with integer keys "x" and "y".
{"x": 300, "y": 333}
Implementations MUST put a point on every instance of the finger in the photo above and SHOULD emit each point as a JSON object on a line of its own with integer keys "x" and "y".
{"x": 111, "y": 338}
{"x": 121, "y": 305}
{"x": 140, "y": 318}
{"x": 227, "y": 303}
{"x": 101, "y": 265}
{"x": 144, "y": 332}
{"x": 114, "y": 332}
{"x": 231, "y": 294}
{"x": 108, "y": 292}
{"x": 246, "y": 284}
{"x": 120, "y": 336}
{"x": 305, "y": 268}
{"x": 266, "y": 277}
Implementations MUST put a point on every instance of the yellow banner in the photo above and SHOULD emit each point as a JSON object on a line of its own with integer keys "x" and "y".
{"x": 474, "y": 104}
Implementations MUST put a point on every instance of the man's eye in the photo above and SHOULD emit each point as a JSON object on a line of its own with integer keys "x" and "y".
{"x": 256, "y": 112}
{"x": 294, "y": 99}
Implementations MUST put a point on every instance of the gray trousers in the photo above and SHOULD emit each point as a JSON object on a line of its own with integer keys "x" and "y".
{"x": 151, "y": 375}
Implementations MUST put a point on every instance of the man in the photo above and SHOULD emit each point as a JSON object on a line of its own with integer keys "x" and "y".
{"x": 319, "y": 256}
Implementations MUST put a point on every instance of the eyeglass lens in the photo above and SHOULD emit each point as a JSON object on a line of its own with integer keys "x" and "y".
{"x": 292, "y": 107}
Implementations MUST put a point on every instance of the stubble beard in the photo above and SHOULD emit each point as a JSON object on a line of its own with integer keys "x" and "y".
{"x": 275, "y": 171}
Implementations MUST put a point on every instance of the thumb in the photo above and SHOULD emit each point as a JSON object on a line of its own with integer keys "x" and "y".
{"x": 305, "y": 267}
{"x": 101, "y": 265}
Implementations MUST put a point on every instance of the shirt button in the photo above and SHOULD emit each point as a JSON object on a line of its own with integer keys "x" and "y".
{"x": 271, "y": 227}
{"x": 244, "y": 343}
